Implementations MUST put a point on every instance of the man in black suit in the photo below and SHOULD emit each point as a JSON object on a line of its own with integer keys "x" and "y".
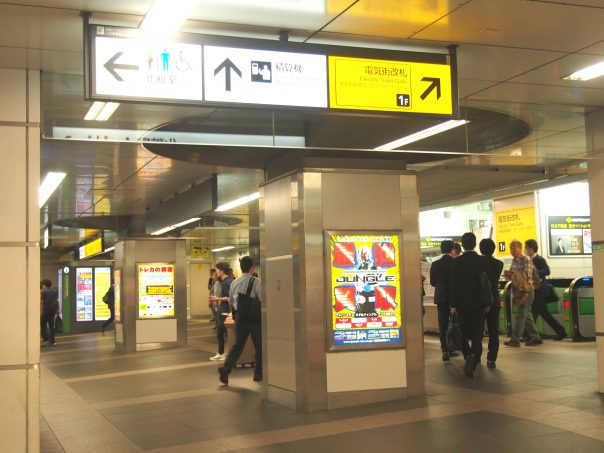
{"x": 539, "y": 307}
{"x": 560, "y": 249}
{"x": 465, "y": 299}
{"x": 487, "y": 248}
{"x": 440, "y": 278}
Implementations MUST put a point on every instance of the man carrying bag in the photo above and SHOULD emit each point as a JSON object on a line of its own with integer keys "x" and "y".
{"x": 244, "y": 298}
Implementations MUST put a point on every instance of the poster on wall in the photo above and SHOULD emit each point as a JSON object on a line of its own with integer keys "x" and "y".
{"x": 102, "y": 283}
{"x": 117, "y": 290}
{"x": 365, "y": 291}
{"x": 155, "y": 290}
{"x": 84, "y": 294}
{"x": 516, "y": 224}
{"x": 569, "y": 235}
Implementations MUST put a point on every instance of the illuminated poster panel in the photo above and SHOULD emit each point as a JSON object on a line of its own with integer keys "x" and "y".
{"x": 155, "y": 290}
{"x": 102, "y": 283}
{"x": 84, "y": 294}
{"x": 569, "y": 235}
{"x": 117, "y": 289}
{"x": 365, "y": 291}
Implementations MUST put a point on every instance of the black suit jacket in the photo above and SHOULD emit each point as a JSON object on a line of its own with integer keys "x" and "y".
{"x": 440, "y": 278}
{"x": 465, "y": 282}
{"x": 543, "y": 270}
{"x": 495, "y": 269}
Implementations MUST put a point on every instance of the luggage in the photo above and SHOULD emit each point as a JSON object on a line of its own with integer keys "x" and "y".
{"x": 248, "y": 355}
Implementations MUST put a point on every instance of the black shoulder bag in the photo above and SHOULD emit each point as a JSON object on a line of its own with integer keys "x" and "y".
{"x": 248, "y": 308}
{"x": 486, "y": 293}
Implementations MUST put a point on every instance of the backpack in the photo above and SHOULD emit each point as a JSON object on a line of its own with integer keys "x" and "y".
{"x": 248, "y": 308}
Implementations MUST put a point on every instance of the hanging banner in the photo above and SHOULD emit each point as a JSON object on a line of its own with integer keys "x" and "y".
{"x": 517, "y": 224}
{"x": 155, "y": 290}
{"x": 365, "y": 291}
{"x": 569, "y": 235}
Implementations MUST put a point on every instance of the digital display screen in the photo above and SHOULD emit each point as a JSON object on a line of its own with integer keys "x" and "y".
{"x": 365, "y": 291}
{"x": 102, "y": 283}
{"x": 84, "y": 294}
{"x": 117, "y": 289}
{"x": 155, "y": 290}
{"x": 569, "y": 235}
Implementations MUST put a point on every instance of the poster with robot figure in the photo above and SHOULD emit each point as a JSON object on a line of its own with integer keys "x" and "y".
{"x": 365, "y": 291}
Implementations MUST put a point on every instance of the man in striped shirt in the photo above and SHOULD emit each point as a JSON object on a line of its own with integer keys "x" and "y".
{"x": 521, "y": 274}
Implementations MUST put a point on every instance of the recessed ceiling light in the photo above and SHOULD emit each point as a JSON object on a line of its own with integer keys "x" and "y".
{"x": 239, "y": 202}
{"x": 222, "y": 249}
{"x": 429, "y": 132}
{"x": 101, "y": 111}
{"x": 588, "y": 73}
{"x": 176, "y": 225}
{"x": 49, "y": 185}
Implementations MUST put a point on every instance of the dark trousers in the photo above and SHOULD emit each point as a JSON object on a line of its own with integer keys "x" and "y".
{"x": 47, "y": 325}
{"x": 242, "y": 331}
{"x": 492, "y": 319}
{"x": 221, "y": 332}
{"x": 443, "y": 324}
{"x": 111, "y": 318}
{"x": 470, "y": 322}
{"x": 539, "y": 308}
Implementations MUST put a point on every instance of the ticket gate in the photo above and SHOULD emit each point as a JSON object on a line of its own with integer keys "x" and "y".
{"x": 579, "y": 310}
{"x": 504, "y": 291}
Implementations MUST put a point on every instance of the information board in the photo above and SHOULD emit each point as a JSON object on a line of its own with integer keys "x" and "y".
{"x": 155, "y": 290}
{"x": 117, "y": 291}
{"x": 365, "y": 290}
{"x": 84, "y": 294}
{"x": 92, "y": 248}
{"x": 569, "y": 235}
{"x": 102, "y": 283}
{"x": 517, "y": 224}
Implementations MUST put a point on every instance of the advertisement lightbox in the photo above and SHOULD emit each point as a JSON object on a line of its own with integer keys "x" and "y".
{"x": 155, "y": 290}
{"x": 102, "y": 283}
{"x": 569, "y": 235}
{"x": 117, "y": 288}
{"x": 84, "y": 294}
{"x": 364, "y": 290}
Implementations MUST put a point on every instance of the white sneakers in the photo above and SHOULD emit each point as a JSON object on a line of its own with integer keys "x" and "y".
{"x": 218, "y": 357}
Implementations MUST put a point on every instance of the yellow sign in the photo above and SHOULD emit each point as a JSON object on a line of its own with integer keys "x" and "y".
{"x": 365, "y": 291}
{"x": 92, "y": 248}
{"x": 514, "y": 224}
{"x": 102, "y": 283}
{"x": 388, "y": 85}
{"x": 117, "y": 286}
{"x": 201, "y": 252}
{"x": 155, "y": 290}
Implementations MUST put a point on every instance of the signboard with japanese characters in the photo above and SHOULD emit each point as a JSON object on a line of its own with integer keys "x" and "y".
{"x": 569, "y": 235}
{"x": 155, "y": 290}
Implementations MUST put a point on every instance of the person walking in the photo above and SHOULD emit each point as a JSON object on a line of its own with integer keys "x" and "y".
{"x": 246, "y": 286}
{"x": 215, "y": 293}
{"x": 224, "y": 272}
{"x": 465, "y": 299}
{"x": 211, "y": 281}
{"x": 49, "y": 302}
{"x": 109, "y": 299}
{"x": 487, "y": 248}
{"x": 539, "y": 303}
{"x": 521, "y": 275}
{"x": 440, "y": 279}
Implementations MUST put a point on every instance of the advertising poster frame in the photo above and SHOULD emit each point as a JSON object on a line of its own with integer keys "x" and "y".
{"x": 117, "y": 291}
{"x": 580, "y": 225}
{"x": 399, "y": 311}
{"x": 138, "y": 294}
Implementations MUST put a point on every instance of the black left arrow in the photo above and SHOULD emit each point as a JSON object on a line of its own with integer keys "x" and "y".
{"x": 434, "y": 83}
{"x": 111, "y": 66}
{"x": 228, "y": 66}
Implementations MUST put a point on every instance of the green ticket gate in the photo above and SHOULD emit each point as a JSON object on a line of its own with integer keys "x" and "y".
{"x": 504, "y": 288}
{"x": 556, "y": 309}
{"x": 579, "y": 310}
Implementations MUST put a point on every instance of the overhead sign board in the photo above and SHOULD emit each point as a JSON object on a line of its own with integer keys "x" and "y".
{"x": 386, "y": 85}
{"x": 92, "y": 248}
{"x": 264, "y": 77}
{"x": 199, "y": 69}
{"x": 518, "y": 224}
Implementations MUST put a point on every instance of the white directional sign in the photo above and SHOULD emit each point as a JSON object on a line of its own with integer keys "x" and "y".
{"x": 151, "y": 69}
{"x": 265, "y": 77}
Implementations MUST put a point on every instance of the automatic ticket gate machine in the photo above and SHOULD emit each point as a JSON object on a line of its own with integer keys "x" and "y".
{"x": 504, "y": 317}
{"x": 579, "y": 310}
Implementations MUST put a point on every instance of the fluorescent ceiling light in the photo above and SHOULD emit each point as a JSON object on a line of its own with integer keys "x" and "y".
{"x": 49, "y": 185}
{"x": 222, "y": 249}
{"x": 109, "y": 249}
{"x": 239, "y": 202}
{"x": 176, "y": 225}
{"x": 591, "y": 72}
{"x": 101, "y": 111}
{"x": 439, "y": 128}
{"x": 166, "y": 16}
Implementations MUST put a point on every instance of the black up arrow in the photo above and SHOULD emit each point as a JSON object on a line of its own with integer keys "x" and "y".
{"x": 111, "y": 66}
{"x": 227, "y": 65}
{"x": 434, "y": 83}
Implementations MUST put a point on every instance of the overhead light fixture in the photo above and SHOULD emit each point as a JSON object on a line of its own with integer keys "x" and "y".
{"x": 439, "y": 128}
{"x": 176, "y": 225}
{"x": 588, "y": 73}
{"x": 222, "y": 249}
{"x": 101, "y": 111}
{"x": 239, "y": 202}
{"x": 109, "y": 249}
{"x": 49, "y": 185}
{"x": 166, "y": 16}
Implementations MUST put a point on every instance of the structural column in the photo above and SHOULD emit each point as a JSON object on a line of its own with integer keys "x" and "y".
{"x": 20, "y": 263}
{"x": 595, "y": 146}
{"x": 297, "y": 210}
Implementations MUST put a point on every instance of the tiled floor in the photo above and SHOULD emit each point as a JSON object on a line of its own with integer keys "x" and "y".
{"x": 94, "y": 400}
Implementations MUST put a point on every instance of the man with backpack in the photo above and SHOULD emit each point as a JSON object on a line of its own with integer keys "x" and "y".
{"x": 244, "y": 298}
{"x": 49, "y": 301}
